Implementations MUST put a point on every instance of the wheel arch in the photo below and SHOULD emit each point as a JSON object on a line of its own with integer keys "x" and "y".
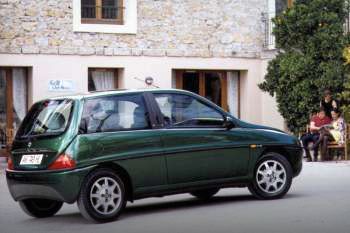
{"x": 283, "y": 151}
{"x": 124, "y": 175}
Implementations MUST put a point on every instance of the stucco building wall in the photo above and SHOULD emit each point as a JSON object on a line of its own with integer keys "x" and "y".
{"x": 171, "y": 34}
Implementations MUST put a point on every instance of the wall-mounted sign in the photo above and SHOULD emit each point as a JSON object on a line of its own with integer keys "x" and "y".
{"x": 61, "y": 85}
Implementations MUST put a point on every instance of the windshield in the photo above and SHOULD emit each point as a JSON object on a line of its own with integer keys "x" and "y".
{"x": 49, "y": 117}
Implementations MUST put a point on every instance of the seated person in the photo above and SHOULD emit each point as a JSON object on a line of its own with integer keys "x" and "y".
{"x": 316, "y": 122}
{"x": 334, "y": 132}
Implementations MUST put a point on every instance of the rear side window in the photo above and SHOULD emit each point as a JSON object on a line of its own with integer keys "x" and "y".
{"x": 114, "y": 113}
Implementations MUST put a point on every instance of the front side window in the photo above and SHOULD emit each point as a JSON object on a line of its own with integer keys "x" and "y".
{"x": 49, "y": 117}
{"x": 186, "y": 111}
{"x": 114, "y": 113}
{"x": 102, "y": 11}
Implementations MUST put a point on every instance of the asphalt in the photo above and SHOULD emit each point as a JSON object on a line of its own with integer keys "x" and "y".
{"x": 318, "y": 202}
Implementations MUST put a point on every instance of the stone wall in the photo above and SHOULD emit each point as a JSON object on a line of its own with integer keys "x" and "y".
{"x": 180, "y": 28}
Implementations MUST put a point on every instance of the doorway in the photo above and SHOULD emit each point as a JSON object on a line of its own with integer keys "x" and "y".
{"x": 13, "y": 104}
{"x": 209, "y": 84}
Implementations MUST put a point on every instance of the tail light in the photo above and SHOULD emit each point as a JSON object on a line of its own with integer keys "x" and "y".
{"x": 62, "y": 162}
{"x": 10, "y": 165}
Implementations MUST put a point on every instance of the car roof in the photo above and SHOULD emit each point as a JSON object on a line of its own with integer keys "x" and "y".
{"x": 117, "y": 92}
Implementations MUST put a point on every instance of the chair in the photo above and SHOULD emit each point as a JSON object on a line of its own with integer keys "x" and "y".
{"x": 336, "y": 146}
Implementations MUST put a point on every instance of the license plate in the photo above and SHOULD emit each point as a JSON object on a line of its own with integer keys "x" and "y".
{"x": 31, "y": 159}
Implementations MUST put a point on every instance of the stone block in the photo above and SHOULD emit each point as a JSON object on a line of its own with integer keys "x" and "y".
{"x": 49, "y": 50}
{"x": 153, "y": 52}
{"x": 30, "y": 49}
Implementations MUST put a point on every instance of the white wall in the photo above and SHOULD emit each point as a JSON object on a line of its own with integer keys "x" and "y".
{"x": 269, "y": 113}
{"x": 256, "y": 107}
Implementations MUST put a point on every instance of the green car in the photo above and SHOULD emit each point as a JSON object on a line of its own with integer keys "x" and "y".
{"x": 104, "y": 149}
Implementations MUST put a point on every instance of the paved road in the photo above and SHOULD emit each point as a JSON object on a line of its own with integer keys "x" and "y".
{"x": 319, "y": 202}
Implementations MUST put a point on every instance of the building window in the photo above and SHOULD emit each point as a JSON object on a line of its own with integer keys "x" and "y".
{"x": 100, "y": 79}
{"x": 282, "y": 5}
{"x": 275, "y": 8}
{"x": 105, "y": 16}
{"x": 102, "y": 11}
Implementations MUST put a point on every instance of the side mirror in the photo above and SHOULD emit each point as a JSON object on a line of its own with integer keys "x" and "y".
{"x": 229, "y": 123}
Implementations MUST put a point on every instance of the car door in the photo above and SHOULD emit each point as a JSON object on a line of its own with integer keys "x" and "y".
{"x": 196, "y": 145}
{"x": 119, "y": 128}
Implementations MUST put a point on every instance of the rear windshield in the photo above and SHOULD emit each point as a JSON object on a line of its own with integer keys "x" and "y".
{"x": 50, "y": 117}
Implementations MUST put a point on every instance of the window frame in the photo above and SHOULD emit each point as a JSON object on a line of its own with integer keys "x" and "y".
{"x": 98, "y": 15}
{"x": 114, "y": 70}
{"x": 129, "y": 25}
{"x": 149, "y": 112}
{"x": 200, "y": 99}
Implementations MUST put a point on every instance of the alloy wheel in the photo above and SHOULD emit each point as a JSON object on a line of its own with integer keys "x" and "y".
{"x": 105, "y": 195}
{"x": 271, "y": 176}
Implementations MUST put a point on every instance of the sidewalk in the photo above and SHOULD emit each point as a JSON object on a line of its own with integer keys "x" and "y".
{"x": 3, "y": 164}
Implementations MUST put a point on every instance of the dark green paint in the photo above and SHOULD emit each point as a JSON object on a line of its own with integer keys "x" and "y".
{"x": 158, "y": 161}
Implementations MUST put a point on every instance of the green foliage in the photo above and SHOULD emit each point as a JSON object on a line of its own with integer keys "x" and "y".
{"x": 345, "y": 95}
{"x": 310, "y": 40}
{"x": 345, "y": 100}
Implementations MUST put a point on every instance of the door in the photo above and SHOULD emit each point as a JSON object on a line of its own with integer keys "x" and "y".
{"x": 118, "y": 128}
{"x": 209, "y": 84}
{"x": 13, "y": 104}
{"x": 196, "y": 145}
{"x": 3, "y": 112}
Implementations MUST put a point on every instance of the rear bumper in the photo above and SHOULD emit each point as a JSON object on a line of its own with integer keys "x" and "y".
{"x": 58, "y": 185}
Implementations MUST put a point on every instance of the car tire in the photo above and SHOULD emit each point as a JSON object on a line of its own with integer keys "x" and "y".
{"x": 205, "y": 194}
{"x": 272, "y": 177}
{"x": 102, "y": 197}
{"x": 40, "y": 208}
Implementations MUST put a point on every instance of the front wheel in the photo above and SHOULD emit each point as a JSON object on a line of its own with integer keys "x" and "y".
{"x": 40, "y": 208}
{"x": 272, "y": 177}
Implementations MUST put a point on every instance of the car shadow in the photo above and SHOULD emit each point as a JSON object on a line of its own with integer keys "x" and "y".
{"x": 190, "y": 203}
{"x": 134, "y": 210}
{"x": 182, "y": 204}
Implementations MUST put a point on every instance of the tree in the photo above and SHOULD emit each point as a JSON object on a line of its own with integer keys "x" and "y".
{"x": 345, "y": 95}
{"x": 310, "y": 40}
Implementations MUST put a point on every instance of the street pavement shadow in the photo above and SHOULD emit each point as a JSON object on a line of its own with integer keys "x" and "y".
{"x": 69, "y": 218}
{"x": 152, "y": 208}
{"x": 190, "y": 203}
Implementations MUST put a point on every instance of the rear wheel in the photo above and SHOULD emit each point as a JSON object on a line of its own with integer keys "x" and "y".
{"x": 205, "y": 194}
{"x": 272, "y": 177}
{"x": 102, "y": 196}
{"x": 40, "y": 208}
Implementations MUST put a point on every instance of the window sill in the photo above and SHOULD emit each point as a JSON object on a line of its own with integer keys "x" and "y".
{"x": 102, "y": 21}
